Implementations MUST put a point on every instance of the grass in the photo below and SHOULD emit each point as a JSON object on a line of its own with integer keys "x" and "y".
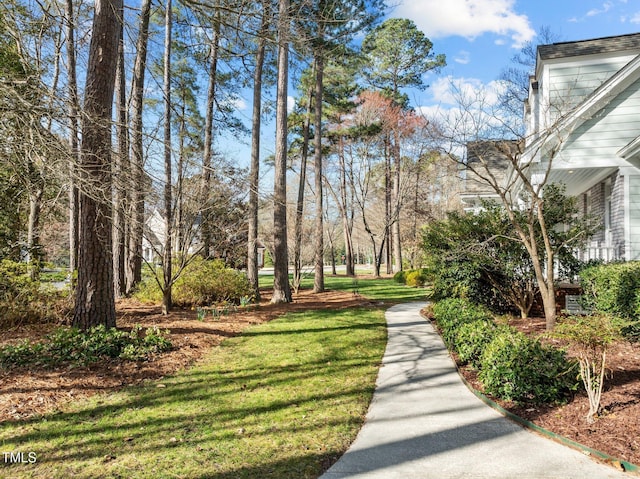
{"x": 284, "y": 400}
{"x": 382, "y": 289}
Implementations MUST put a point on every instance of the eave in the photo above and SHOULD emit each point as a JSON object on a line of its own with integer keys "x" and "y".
{"x": 631, "y": 152}
{"x": 586, "y": 109}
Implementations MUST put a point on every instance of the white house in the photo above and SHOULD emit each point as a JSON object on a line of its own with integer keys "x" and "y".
{"x": 154, "y": 238}
{"x": 583, "y": 115}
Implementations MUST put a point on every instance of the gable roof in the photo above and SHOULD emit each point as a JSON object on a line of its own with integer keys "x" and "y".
{"x": 488, "y": 159}
{"x": 593, "y": 103}
{"x": 593, "y": 46}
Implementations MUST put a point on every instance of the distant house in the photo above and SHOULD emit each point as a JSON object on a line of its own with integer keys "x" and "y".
{"x": 583, "y": 113}
{"x": 154, "y": 237}
{"x": 485, "y": 158}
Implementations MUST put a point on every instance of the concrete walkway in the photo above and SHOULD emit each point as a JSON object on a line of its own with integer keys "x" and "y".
{"x": 423, "y": 422}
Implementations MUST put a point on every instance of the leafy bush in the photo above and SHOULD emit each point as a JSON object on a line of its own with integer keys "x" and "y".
{"x": 202, "y": 282}
{"x": 25, "y": 301}
{"x": 415, "y": 278}
{"x": 452, "y": 313}
{"x": 632, "y": 330}
{"x": 71, "y": 345}
{"x": 471, "y": 339}
{"x": 400, "y": 277}
{"x": 515, "y": 367}
{"x": 614, "y": 289}
{"x": 591, "y": 335}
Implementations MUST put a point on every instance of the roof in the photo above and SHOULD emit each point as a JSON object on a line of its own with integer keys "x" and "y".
{"x": 590, "y": 105}
{"x": 488, "y": 158}
{"x": 593, "y": 46}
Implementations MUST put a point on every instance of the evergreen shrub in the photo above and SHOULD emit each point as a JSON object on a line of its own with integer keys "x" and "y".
{"x": 201, "y": 283}
{"x": 515, "y": 367}
{"x": 452, "y": 313}
{"x": 74, "y": 346}
{"x": 24, "y": 301}
{"x": 400, "y": 277}
{"x": 415, "y": 278}
{"x": 614, "y": 289}
{"x": 471, "y": 339}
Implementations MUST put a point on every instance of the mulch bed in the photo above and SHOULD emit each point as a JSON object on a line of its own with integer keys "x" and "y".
{"x": 616, "y": 431}
{"x": 27, "y": 393}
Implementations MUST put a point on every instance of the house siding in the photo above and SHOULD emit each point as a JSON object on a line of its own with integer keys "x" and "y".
{"x": 594, "y": 202}
{"x": 634, "y": 217}
{"x": 600, "y": 137}
{"x": 617, "y": 215}
{"x": 571, "y": 84}
{"x": 596, "y": 209}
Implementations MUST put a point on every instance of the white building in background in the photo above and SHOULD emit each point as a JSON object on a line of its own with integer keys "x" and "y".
{"x": 583, "y": 115}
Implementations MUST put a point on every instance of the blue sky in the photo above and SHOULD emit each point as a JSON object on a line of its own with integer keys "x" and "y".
{"x": 479, "y": 37}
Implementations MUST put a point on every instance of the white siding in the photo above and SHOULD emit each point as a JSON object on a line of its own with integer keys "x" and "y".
{"x": 634, "y": 217}
{"x": 599, "y": 138}
{"x": 571, "y": 84}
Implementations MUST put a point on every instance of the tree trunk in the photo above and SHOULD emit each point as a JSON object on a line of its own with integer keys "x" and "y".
{"x": 34, "y": 248}
{"x": 347, "y": 224}
{"x": 281, "y": 289}
{"x": 297, "y": 247}
{"x": 208, "y": 140}
{"x": 387, "y": 206}
{"x": 138, "y": 188}
{"x": 121, "y": 167}
{"x": 73, "y": 134}
{"x": 168, "y": 197}
{"x": 95, "y": 302}
{"x": 252, "y": 257}
{"x": 318, "y": 281}
{"x": 397, "y": 207}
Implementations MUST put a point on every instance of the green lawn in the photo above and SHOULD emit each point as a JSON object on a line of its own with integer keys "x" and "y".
{"x": 283, "y": 400}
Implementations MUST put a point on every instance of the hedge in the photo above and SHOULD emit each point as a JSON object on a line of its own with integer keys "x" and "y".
{"x": 614, "y": 289}
{"x": 511, "y": 365}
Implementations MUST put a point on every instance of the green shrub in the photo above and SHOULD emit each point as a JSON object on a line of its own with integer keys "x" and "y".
{"x": 463, "y": 279}
{"x": 400, "y": 277}
{"x": 471, "y": 339}
{"x": 451, "y": 313}
{"x": 632, "y": 331}
{"x": 202, "y": 283}
{"x": 591, "y": 336}
{"x": 517, "y": 368}
{"x": 25, "y": 301}
{"x": 71, "y": 345}
{"x": 415, "y": 278}
{"x": 613, "y": 288}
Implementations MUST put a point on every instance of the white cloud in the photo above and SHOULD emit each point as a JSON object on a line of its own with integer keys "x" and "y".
{"x": 463, "y": 57}
{"x": 468, "y": 18}
{"x": 597, "y": 11}
{"x": 452, "y": 91}
{"x": 635, "y": 18}
{"x": 291, "y": 103}
{"x": 239, "y": 103}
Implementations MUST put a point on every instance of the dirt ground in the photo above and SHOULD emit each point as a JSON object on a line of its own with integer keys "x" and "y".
{"x": 25, "y": 393}
{"x": 616, "y": 431}
{"x": 28, "y": 392}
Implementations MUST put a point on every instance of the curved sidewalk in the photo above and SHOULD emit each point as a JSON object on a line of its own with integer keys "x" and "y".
{"x": 424, "y": 423}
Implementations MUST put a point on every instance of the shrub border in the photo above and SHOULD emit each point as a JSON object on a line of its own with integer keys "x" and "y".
{"x": 619, "y": 464}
